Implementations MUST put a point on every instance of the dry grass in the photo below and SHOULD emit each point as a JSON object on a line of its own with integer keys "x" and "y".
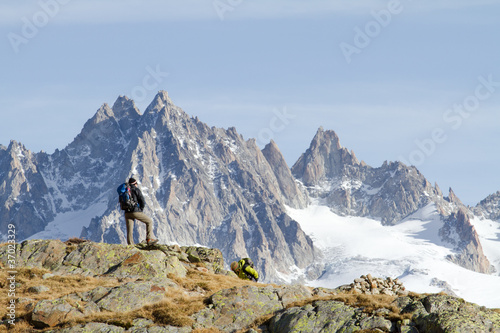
{"x": 369, "y": 304}
{"x": 177, "y": 307}
{"x": 27, "y": 277}
{"x": 373, "y": 303}
{"x": 209, "y": 282}
{"x": 75, "y": 240}
{"x": 206, "y": 330}
{"x": 22, "y": 326}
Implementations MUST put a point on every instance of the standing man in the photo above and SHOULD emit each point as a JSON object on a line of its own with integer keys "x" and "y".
{"x": 136, "y": 214}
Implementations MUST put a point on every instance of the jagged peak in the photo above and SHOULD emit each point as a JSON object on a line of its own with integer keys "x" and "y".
{"x": 495, "y": 196}
{"x": 103, "y": 113}
{"x": 325, "y": 157}
{"x": 273, "y": 153}
{"x": 14, "y": 145}
{"x": 326, "y": 138}
{"x": 159, "y": 102}
{"x": 163, "y": 95}
{"x": 272, "y": 146}
{"x": 354, "y": 158}
{"x": 125, "y": 107}
{"x": 452, "y": 197}
{"x": 17, "y": 150}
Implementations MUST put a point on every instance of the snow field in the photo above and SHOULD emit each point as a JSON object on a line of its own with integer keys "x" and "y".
{"x": 411, "y": 251}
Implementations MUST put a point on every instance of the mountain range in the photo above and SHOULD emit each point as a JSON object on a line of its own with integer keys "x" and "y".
{"x": 209, "y": 186}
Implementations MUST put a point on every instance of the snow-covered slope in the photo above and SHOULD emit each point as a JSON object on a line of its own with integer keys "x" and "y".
{"x": 410, "y": 251}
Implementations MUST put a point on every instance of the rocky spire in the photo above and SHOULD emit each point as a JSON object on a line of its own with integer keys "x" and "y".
{"x": 452, "y": 198}
{"x": 325, "y": 158}
{"x": 294, "y": 196}
{"x": 160, "y": 101}
{"x": 124, "y": 107}
{"x": 459, "y": 231}
{"x": 102, "y": 114}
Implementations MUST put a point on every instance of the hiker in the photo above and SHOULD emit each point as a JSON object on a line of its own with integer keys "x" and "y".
{"x": 136, "y": 214}
{"x": 244, "y": 269}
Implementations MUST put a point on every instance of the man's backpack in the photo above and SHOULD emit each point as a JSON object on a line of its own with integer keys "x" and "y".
{"x": 127, "y": 202}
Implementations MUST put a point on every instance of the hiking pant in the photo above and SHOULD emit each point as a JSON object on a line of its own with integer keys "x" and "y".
{"x": 129, "y": 219}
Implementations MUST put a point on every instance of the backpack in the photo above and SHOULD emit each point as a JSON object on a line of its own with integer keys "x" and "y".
{"x": 127, "y": 202}
{"x": 247, "y": 262}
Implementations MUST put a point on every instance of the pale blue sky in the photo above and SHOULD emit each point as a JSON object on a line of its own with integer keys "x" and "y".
{"x": 417, "y": 81}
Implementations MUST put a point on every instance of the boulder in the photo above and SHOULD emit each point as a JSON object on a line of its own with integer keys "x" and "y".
{"x": 328, "y": 316}
{"x": 450, "y": 314}
{"x": 232, "y": 309}
{"x": 126, "y": 297}
{"x": 96, "y": 258}
{"x": 90, "y": 327}
{"x": 142, "y": 264}
{"x": 38, "y": 289}
{"x": 134, "y": 295}
{"x": 47, "y": 254}
{"x": 212, "y": 258}
{"x": 175, "y": 267}
{"x": 49, "y": 313}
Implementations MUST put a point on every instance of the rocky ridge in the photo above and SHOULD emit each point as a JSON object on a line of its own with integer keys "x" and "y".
{"x": 389, "y": 193}
{"x": 335, "y": 177}
{"x": 489, "y": 207}
{"x": 138, "y": 283}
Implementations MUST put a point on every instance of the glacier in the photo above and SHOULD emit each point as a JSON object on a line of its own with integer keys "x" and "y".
{"x": 409, "y": 250}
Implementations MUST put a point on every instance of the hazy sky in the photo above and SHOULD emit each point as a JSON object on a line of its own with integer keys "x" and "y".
{"x": 410, "y": 80}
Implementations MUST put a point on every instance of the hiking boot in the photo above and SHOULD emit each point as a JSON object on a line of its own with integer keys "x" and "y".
{"x": 151, "y": 241}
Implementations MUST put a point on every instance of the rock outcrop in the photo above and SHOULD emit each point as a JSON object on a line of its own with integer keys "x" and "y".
{"x": 111, "y": 260}
{"x": 433, "y": 314}
{"x": 459, "y": 231}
